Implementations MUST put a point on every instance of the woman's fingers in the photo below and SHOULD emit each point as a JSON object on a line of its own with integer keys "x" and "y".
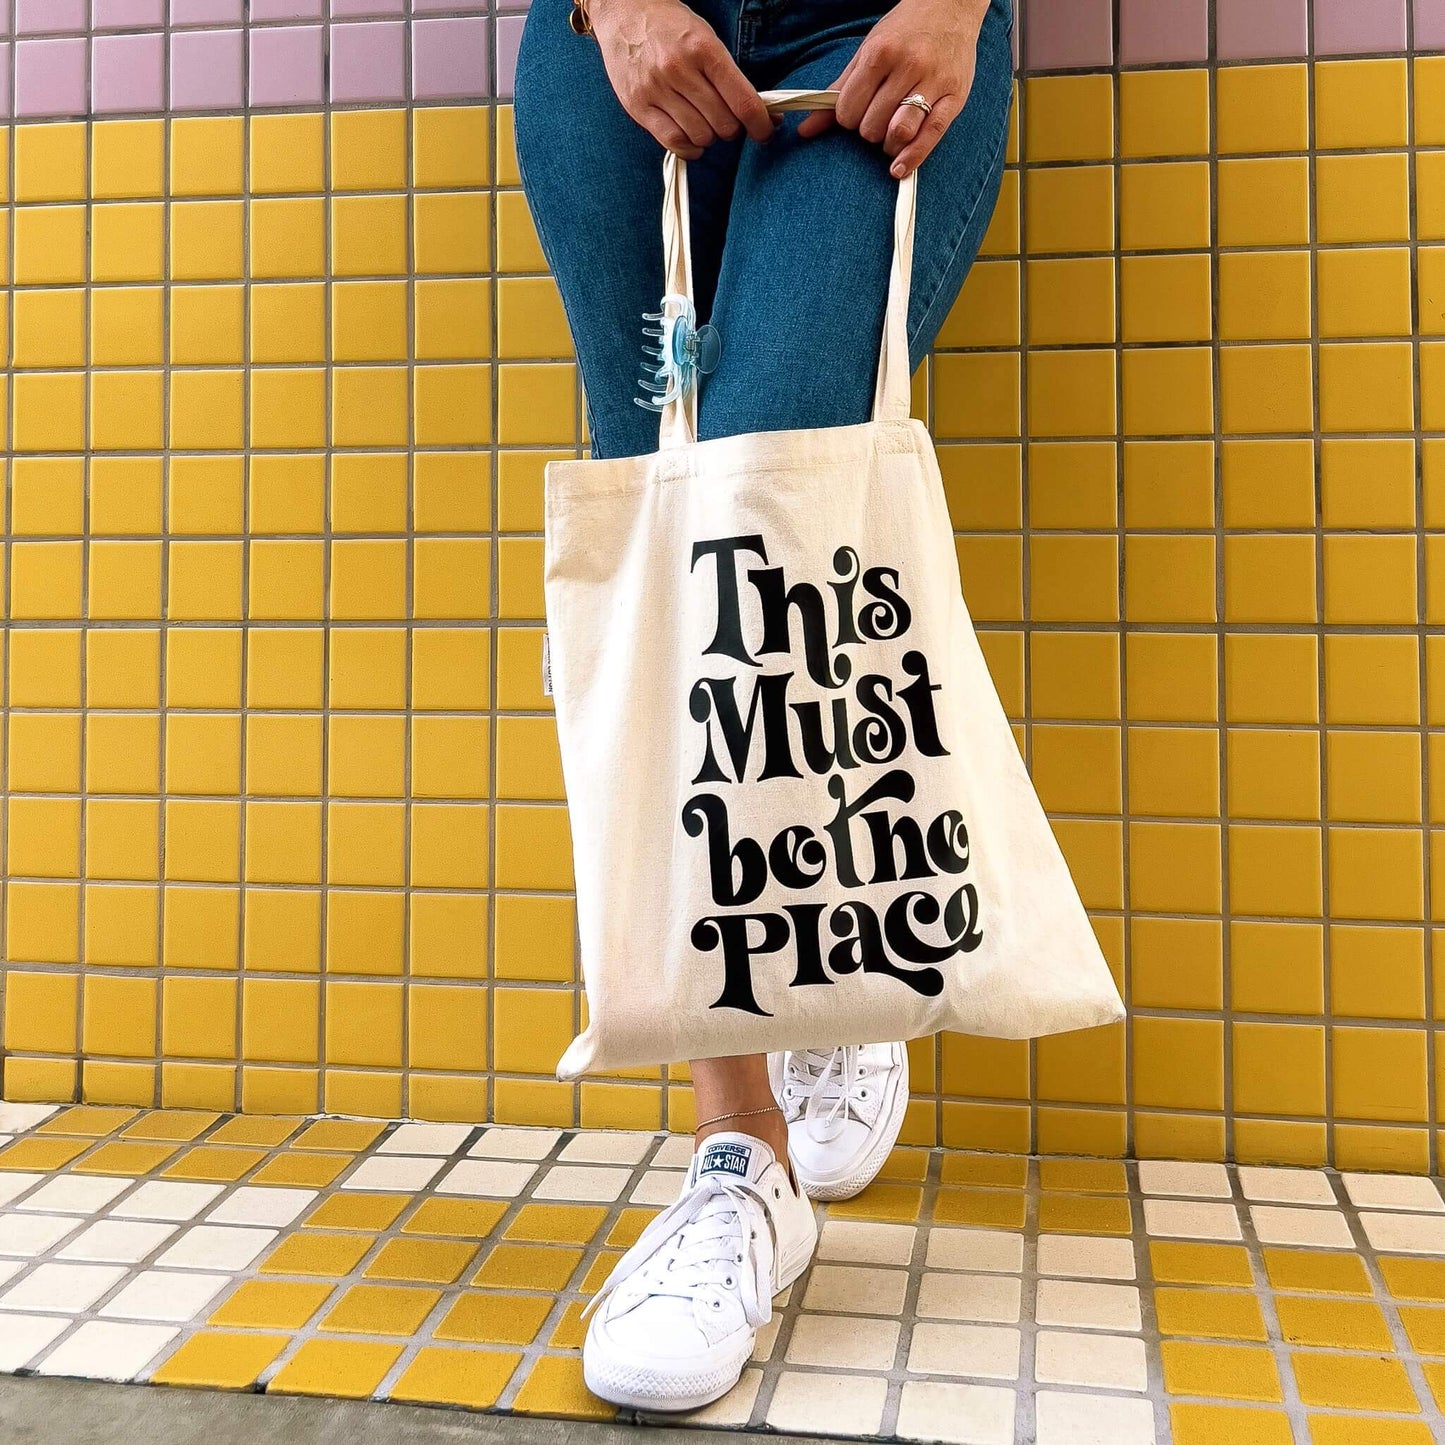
{"x": 660, "y": 125}
{"x": 816, "y": 122}
{"x": 688, "y": 117}
{"x": 738, "y": 95}
{"x": 906, "y": 123}
{"x": 929, "y": 133}
{"x": 883, "y": 108}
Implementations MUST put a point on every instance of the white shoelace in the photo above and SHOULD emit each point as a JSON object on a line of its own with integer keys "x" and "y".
{"x": 833, "y": 1082}
{"x": 715, "y": 1238}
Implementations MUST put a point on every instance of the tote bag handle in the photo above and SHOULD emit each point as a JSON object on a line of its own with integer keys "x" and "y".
{"x": 891, "y": 395}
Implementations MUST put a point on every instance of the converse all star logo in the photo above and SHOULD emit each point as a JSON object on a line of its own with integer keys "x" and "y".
{"x": 725, "y": 1159}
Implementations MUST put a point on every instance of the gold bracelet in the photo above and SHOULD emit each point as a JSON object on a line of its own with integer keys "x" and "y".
{"x": 579, "y": 19}
{"x": 737, "y": 1114}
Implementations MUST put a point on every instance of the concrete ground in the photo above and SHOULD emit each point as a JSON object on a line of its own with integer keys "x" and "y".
{"x": 39, "y": 1411}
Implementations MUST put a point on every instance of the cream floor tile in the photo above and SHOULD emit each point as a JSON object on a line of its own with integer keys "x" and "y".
{"x": 985, "y": 1251}
{"x": 1394, "y": 1191}
{"x": 117, "y": 1241}
{"x": 9, "y": 1268}
{"x": 985, "y": 1299}
{"x": 1085, "y": 1256}
{"x": 104, "y": 1350}
{"x": 735, "y": 1408}
{"x": 621, "y": 1146}
{"x": 1405, "y": 1233}
{"x": 1087, "y": 1306}
{"x": 167, "y": 1199}
{"x": 1285, "y": 1224}
{"x": 502, "y": 1143}
{"x": 165, "y": 1295}
{"x": 425, "y": 1139}
{"x": 76, "y": 1194}
{"x": 1285, "y": 1186}
{"x": 858, "y": 1242}
{"x": 675, "y": 1152}
{"x": 1186, "y": 1219}
{"x": 1194, "y": 1180}
{"x": 217, "y": 1246}
{"x": 395, "y": 1173}
{"x": 487, "y": 1177}
{"x": 767, "y": 1336}
{"x": 855, "y": 1290}
{"x": 978, "y": 1352}
{"x": 63, "y": 1288}
{"x": 22, "y": 1337}
{"x": 843, "y": 1343}
{"x": 1068, "y": 1419}
{"x": 956, "y": 1414}
{"x": 6, "y": 1139}
{"x": 17, "y": 1118}
{"x": 819, "y": 1404}
{"x": 12, "y": 1186}
{"x": 657, "y": 1186}
{"x": 28, "y": 1236}
{"x": 272, "y": 1206}
{"x": 1106, "y": 1362}
{"x": 583, "y": 1182}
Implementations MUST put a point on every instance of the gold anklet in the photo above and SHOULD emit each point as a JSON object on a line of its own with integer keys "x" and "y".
{"x": 737, "y": 1114}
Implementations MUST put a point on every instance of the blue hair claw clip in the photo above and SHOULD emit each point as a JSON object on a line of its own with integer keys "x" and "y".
{"x": 675, "y": 352}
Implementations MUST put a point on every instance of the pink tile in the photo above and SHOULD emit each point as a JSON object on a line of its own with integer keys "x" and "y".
{"x": 44, "y": 17}
{"x": 509, "y": 37}
{"x": 1261, "y": 29}
{"x": 287, "y": 66}
{"x": 4, "y": 17}
{"x": 206, "y": 70}
{"x": 420, "y": 7}
{"x": 288, "y": 9}
{"x": 206, "y": 12}
{"x": 1353, "y": 27}
{"x": 50, "y": 77}
{"x": 511, "y": 4}
{"x": 340, "y": 8}
{"x": 128, "y": 14}
{"x": 368, "y": 61}
{"x": 128, "y": 72}
{"x": 1065, "y": 34}
{"x": 449, "y": 59}
{"x": 5, "y": 81}
{"x": 1430, "y": 24}
{"x": 1153, "y": 32}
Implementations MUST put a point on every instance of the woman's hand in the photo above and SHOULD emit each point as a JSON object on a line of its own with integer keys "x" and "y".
{"x": 674, "y": 76}
{"x": 920, "y": 47}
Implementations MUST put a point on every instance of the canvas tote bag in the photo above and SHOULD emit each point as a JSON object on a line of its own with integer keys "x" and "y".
{"x": 799, "y": 817}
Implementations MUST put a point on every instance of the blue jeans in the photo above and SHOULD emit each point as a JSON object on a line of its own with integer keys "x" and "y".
{"x": 791, "y": 240}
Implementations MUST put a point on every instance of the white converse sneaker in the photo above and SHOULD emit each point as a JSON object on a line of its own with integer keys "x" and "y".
{"x": 844, "y": 1109}
{"x": 676, "y": 1320}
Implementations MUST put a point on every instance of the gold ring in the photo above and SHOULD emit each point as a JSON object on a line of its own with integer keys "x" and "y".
{"x": 918, "y": 101}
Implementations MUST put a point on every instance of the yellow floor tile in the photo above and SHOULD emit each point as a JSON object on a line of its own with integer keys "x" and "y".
{"x": 1309, "y": 1270}
{"x": 373, "y": 1212}
{"x": 92, "y": 1120}
{"x": 380, "y": 1309}
{"x": 1223, "y": 1372}
{"x": 1178, "y": 1262}
{"x": 349, "y": 1369}
{"x": 1004, "y": 1171}
{"x": 1419, "y": 1279}
{"x": 350, "y": 1136}
{"x": 267, "y": 1304}
{"x": 994, "y": 1208}
{"x": 1435, "y": 1378}
{"x": 528, "y": 1266}
{"x": 180, "y": 1125}
{"x": 117, "y": 1158}
{"x": 1347, "y": 1430}
{"x": 305, "y": 1171}
{"x": 1210, "y": 1314}
{"x": 495, "y": 1319}
{"x": 555, "y": 1388}
{"x": 908, "y": 1165}
{"x": 214, "y": 1360}
{"x": 1350, "y": 1382}
{"x": 1084, "y": 1214}
{"x": 473, "y": 1379}
{"x": 629, "y": 1226}
{"x": 1084, "y": 1176}
{"x": 42, "y": 1155}
{"x": 267, "y": 1130}
{"x": 899, "y": 1203}
{"x": 459, "y": 1218}
{"x": 1425, "y": 1327}
{"x": 1337, "y": 1324}
{"x": 221, "y": 1165}
{"x": 556, "y": 1223}
{"x": 598, "y": 1271}
{"x": 571, "y": 1328}
{"x": 427, "y": 1261}
{"x": 328, "y": 1255}
{"x": 1229, "y": 1425}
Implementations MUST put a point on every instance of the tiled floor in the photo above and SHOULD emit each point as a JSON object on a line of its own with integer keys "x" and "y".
{"x": 979, "y": 1299}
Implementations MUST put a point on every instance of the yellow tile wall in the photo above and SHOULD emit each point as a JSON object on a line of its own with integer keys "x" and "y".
{"x": 284, "y": 822}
